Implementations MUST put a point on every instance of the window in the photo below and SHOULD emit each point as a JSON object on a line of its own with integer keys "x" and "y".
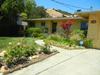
{"x": 93, "y": 21}
{"x": 84, "y": 26}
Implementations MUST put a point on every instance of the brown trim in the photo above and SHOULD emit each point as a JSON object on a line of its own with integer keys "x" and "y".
{"x": 43, "y": 19}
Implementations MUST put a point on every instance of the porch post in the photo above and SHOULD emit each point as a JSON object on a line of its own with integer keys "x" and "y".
{"x": 49, "y": 27}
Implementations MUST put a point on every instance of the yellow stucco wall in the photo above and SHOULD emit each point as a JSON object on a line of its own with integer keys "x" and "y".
{"x": 48, "y": 24}
{"x": 76, "y": 25}
{"x": 94, "y": 29}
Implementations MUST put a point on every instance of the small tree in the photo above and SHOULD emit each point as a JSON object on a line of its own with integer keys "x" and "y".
{"x": 66, "y": 27}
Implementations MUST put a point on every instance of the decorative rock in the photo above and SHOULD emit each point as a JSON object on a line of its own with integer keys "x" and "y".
{"x": 39, "y": 49}
{"x": 4, "y": 69}
{"x": 51, "y": 49}
{"x": 40, "y": 42}
{"x": 67, "y": 46}
{"x": 30, "y": 58}
{"x": 42, "y": 53}
{"x": 35, "y": 56}
{"x": 2, "y": 53}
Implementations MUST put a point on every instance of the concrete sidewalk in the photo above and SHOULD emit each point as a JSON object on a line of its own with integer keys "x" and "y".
{"x": 67, "y": 62}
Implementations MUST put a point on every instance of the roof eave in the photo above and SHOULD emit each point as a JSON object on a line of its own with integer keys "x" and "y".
{"x": 44, "y": 19}
{"x": 86, "y": 14}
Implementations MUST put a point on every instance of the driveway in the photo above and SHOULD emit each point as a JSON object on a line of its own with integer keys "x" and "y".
{"x": 67, "y": 62}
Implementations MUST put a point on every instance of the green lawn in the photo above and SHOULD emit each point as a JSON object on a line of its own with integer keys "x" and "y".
{"x": 4, "y": 41}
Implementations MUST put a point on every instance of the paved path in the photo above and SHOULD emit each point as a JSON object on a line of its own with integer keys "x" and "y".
{"x": 67, "y": 62}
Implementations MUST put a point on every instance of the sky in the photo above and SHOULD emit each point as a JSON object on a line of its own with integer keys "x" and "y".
{"x": 79, "y": 3}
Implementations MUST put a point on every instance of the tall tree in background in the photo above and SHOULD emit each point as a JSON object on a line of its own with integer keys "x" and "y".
{"x": 18, "y": 6}
{"x": 11, "y": 9}
{"x": 29, "y": 7}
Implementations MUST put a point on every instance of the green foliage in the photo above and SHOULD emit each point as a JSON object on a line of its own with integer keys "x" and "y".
{"x": 30, "y": 6}
{"x": 73, "y": 42}
{"x": 13, "y": 8}
{"x": 46, "y": 49}
{"x": 88, "y": 43}
{"x": 18, "y": 50}
{"x": 4, "y": 41}
{"x": 18, "y": 6}
{"x": 55, "y": 37}
{"x": 30, "y": 31}
{"x": 77, "y": 35}
{"x": 23, "y": 16}
{"x": 21, "y": 48}
{"x": 35, "y": 32}
{"x": 11, "y": 5}
{"x": 58, "y": 40}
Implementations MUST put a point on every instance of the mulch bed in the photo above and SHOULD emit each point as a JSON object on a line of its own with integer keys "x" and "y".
{"x": 30, "y": 62}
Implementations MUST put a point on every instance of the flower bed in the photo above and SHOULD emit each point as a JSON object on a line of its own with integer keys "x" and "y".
{"x": 76, "y": 40}
{"x": 20, "y": 65}
{"x": 60, "y": 41}
{"x": 21, "y": 54}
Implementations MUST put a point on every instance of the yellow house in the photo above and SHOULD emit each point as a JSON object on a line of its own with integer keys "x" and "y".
{"x": 93, "y": 18}
{"x": 54, "y": 24}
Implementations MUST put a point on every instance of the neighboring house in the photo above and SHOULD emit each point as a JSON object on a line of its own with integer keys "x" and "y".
{"x": 93, "y": 19}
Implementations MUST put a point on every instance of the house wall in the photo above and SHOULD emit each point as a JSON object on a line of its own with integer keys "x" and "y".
{"x": 76, "y": 25}
{"x": 94, "y": 29}
{"x": 48, "y": 24}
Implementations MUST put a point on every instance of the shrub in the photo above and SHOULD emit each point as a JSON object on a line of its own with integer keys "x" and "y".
{"x": 35, "y": 32}
{"x": 17, "y": 51}
{"x": 73, "y": 42}
{"x": 88, "y": 43}
{"x": 58, "y": 40}
{"x": 49, "y": 42}
{"x": 77, "y": 35}
{"x": 46, "y": 49}
{"x": 23, "y": 15}
{"x": 55, "y": 37}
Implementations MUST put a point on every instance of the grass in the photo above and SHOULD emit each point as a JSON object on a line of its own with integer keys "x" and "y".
{"x": 4, "y": 41}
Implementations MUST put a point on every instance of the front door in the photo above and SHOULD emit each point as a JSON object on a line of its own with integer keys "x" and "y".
{"x": 54, "y": 27}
